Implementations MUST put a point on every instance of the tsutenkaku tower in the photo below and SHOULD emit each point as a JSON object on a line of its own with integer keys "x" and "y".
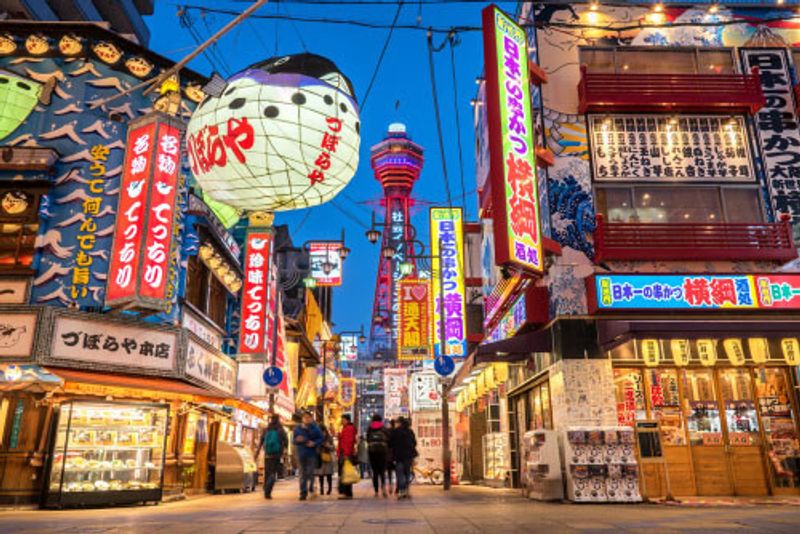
{"x": 397, "y": 163}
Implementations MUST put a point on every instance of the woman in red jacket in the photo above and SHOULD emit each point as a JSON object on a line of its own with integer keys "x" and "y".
{"x": 346, "y": 451}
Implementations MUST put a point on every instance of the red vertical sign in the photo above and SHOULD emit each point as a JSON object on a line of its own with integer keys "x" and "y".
{"x": 138, "y": 273}
{"x": 161, "y": 213}
{"x": 253, "y": 329}
{"x": 126, "y": 252}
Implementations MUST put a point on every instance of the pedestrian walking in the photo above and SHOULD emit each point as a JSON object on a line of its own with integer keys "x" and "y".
{"x": 307, "y": 438}
{"x": 346, "y": 451}
{"x": 378, "y": 449}
{"x": 274, "y": 441}
{"x": 363, "y": 457}
{"x": 327, "y": 459}
{"x": 403, "y": 444}
{"x": 390, "y": 467}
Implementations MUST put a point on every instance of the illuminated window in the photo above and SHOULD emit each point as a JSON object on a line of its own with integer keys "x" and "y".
{"x": 658, "y": 60}
{"x": 19, "y": 225}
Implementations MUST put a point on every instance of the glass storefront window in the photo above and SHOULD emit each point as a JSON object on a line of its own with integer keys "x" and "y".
{"x": 740, "y": 407}
{"x": 702, "y": 408}
{"x": 665, "y": 404}
{"x": 632, "y": 60}
{"x": 630, "y": 396}
{"x": 536, "y": 403}
{"x": 773, "y": 392}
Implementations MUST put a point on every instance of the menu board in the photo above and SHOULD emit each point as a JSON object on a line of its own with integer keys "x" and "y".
{"x": 661, "y": 148}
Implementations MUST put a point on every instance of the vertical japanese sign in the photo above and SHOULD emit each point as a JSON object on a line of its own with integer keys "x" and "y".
{"x": 144, "y": 236}
{"x": 447, "y": 276}
{"x": 87, "y": 233}
{"x": 414, "y": 340}
{"x": 777, "y": 128}
{"x": 253, "y": 328}
{"x": 515, "y": 199}
{"x": 395, "y": 388}
{"x": 126, "y": 252}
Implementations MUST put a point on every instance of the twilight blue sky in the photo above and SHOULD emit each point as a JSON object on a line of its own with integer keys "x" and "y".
{"x": 403, "y": 77}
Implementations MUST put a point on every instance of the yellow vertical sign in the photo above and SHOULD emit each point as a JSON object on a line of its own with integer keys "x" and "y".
{"x": 447, "y": 281}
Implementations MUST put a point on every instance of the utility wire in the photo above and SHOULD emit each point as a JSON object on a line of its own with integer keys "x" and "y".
{"x": 438, "y": 117}
{"x": 380, "y": 57}
{"x": 453, "y": 43}
{"x": 349, "y": 215}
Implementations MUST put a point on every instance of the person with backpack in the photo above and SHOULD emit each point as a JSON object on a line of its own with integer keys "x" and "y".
{"x": 307, "y": 438}
{"x": 403, "y": 443}
{"x": 274, "y": 441}
{"x": 378, "y": 448}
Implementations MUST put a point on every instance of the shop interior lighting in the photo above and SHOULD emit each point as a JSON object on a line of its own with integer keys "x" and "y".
{"x": 658, "y": 8}
{"x": 594, "y": 6}
{"x": 713, "y": 9}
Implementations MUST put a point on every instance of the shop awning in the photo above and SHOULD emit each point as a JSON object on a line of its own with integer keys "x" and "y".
{"x": 516, "y": 348}
{"x": 615, "y": 332}
{"x": 144, "y": 387}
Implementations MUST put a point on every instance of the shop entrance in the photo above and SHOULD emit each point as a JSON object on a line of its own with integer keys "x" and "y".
{"x": 720, "y": 432}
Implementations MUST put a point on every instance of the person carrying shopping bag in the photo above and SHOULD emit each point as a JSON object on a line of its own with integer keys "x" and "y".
{"x": 347, "y": 455}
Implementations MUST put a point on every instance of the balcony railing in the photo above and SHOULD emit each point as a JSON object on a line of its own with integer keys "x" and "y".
{"x": 728, "y": 93}
{"x": 691, "y": 241}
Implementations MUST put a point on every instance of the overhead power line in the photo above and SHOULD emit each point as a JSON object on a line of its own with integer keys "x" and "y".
{"x": 380, "y": 57}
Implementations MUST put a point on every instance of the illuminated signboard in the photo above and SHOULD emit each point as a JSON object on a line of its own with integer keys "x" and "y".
{"x": 512, "y": 321}
{"x": 326, "y": 264}
{"x": 346, "y": 396}
{"x": 515, "y": 199}
{"x": 447, "y": 280}
{"x": 694, "y": 292}
{"x": 349, "y": 348}
{"x": 414, "y": 339}
{"x": 257, "y": 259}
{"x": 139, "y": 270}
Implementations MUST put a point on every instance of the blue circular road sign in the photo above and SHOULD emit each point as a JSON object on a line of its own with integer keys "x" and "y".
{"x": 273, "y": 376}
{"x": 444, "y": 365}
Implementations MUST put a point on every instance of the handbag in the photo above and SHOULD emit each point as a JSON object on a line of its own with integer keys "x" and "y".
{"x": 326, "y": 457}
{"x": 350, "y": 474}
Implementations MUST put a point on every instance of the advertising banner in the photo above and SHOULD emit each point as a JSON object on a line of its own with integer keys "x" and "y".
{"x": 777, "y": 127}
{"x": 210, "y": 367}
{"x": 395, "y": 388}
{"x": 515, "y": 197}
{"x": 257, "y": 260}
{"x": 693, "y": 292}
{"x": 414, "y": 339}
{"x": 326, "y": 264}
{"x": 425, "y": 392}
{"x": 447, "y": 281}
{"x": 349, "y": 348}
{"x": 145, "y": 230}
{"x": 114, "y": 345}
{"x": 17, "y": 334}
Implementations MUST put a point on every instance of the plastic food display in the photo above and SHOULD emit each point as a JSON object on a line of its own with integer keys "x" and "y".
{"x": 107, "y": 453}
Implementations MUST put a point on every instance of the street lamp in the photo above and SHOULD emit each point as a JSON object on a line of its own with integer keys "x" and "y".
{"x": 310, "y": 282}
{"x": 406, "y": 268}
{"x": 388, "y": 252}
{"x": 344, "y": 252}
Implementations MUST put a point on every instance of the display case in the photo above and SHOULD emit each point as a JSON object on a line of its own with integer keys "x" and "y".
{"x": 107, "y": 453}
{"x": 495, "y": 460}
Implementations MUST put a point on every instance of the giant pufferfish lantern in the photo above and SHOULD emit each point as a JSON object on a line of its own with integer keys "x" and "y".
{"x": 283, "y": 134}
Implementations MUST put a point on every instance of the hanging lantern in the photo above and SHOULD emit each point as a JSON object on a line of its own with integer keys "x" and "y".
{"x": 734, "y": 350}
{"x": 791, "y": 350}
{"x": 501, "y": 372}
{"x": 707, "y": 352}
{"x": 472, "y": 389}
{"x": 680, "y": 352}
{"x": 491, "y": 379}
{"x": 481, "y": 381}
{"x": 283, "y": 134}
{"x": 759, "y": 349}
{"x": 460, "y": 401}
{"x": 651, "y": 352}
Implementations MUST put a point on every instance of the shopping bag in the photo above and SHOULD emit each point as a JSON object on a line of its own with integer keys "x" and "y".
{"x": 349, "y": 473}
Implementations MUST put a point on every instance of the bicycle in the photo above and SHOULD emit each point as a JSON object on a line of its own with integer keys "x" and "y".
{"x": 427, "y": 475}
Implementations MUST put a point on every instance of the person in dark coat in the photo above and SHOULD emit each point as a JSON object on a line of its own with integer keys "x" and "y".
{"x": 307, "y": 437}
{"x": 378, "y": 449}
{"x": 327, "y": 461}
{"x": 403, "y": 444}
{"x": 274, "y": 441}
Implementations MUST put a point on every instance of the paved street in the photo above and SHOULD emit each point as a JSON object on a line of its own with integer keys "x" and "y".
{"x": 465, "y": 510}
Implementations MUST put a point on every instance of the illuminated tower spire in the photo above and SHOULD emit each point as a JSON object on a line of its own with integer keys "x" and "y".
{"x": 397, "y": 163}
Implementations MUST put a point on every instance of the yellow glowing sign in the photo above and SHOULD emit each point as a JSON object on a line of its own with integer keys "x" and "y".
{"x": 447, "y": 277}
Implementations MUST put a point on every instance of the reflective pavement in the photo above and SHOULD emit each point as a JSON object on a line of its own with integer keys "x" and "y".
{"x": 464, "y": 510}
